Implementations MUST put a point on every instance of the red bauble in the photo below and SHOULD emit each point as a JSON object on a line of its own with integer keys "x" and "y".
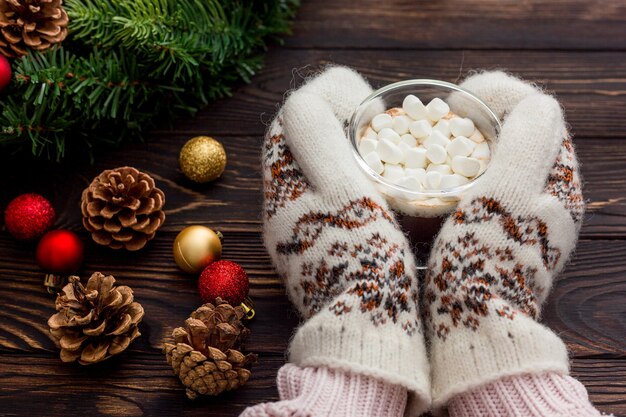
{"x": 60, "y": 252}
{"x": 28, "y": 216}
{"x": 224, "y": 279}
{"x": 5, "y": 73}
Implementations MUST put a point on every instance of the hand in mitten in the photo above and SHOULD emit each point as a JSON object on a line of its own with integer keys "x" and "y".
{"x": 495, "y": 259}
{"x": 347, "y": 266}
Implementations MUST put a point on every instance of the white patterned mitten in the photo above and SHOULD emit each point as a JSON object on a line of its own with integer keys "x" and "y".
{"x": 494, "y": 261}
{"x": 347, "y": 266}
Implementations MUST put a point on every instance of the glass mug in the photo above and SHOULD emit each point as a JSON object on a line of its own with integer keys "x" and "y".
{"x": 421, "y": 213}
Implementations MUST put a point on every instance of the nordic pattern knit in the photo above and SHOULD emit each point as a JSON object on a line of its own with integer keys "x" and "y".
{"x": 347, "y": 266}
{"x": 495, "y": 259}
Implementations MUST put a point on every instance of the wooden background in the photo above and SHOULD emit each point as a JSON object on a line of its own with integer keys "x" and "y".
{"x": 577, "y": 49}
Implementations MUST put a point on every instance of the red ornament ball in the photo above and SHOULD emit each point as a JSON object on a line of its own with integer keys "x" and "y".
{"x": 224, "y": 279}
{"x": 5, "y": 73}
{"x": 60, "y": 252}
{"x": 28, "y": 216}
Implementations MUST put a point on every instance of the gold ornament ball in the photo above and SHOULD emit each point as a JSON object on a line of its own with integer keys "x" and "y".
{"x": 202, "y": 159}
{"x": 195, "y": 247}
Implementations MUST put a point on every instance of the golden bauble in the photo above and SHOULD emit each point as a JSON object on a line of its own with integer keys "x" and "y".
{"x": 202, "y": 159}
{"x": 195, "y": 247}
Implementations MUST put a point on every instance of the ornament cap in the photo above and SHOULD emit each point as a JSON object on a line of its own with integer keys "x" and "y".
{"x": 54, "y": 282}
{"x": 248, "y": 308}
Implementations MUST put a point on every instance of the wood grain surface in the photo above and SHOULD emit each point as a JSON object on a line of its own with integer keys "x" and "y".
{"x": 576, "y": 49}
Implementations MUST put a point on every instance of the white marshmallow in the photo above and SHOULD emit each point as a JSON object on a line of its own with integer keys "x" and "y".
{"x": 420, "y": 128}
{"x": 367, "y": 145}
{"x": 370, "y": 133}
{"x": 373, "y": 161}
{"x": 432, "y": 180}
{"x": 461, "y": 126}
{"x": 436, "y": 138}
{"x": 393, "y": 173}
{"x": 411, "y": 183}
{"x": 477, "y": 136}
{"x": 414, "y": 107}
{"x": 381, "y": 121}
{"x": 436, "y": 154}
{"x": 388, "y": 133}
{"x": 468, "y": 167}
{"x": 419, "y": 173}
{"x": 443, "y": 126}
{"x": 401, "y": 124}
{"x": 405, "y": 149}
{"x": 481, "y": 151}
{"x": 415, "y": 158}
{"x": 436, "y": 109}
{"x": 443, "y": 169}
{"x": 389, "y": 151}
{"x": 460, "y": 146}
{"x": 409, "y": 140}
{"x": 452, "y": 181}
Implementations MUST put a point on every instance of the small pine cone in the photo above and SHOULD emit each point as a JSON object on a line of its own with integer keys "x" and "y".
{"x": 205, "y": 354}
{"x": 122, "y": 208}
{"x": 95, "y": 322}
{"x": 31, "y": 25}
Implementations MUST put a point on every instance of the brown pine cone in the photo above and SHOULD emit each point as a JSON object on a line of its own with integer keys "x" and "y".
{"x": 95, "y": 322}
{"x": 31, "y": 25}
{"x": 122, "y": 208}
{"x": 206, "y": 356}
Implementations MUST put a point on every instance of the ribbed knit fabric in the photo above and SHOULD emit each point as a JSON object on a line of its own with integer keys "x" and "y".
{"x": 347, "y": 266}
{"x": 544, "y": 395}
{"x": 495, "y": 259}
{"x": 323, "y": 392}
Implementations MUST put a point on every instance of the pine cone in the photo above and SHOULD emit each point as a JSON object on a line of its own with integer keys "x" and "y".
{"x": 94, "y": 322}
{"x": 122, "y": 208}
{"x": 206, "y": 356}
{"x": 31, "y": 24}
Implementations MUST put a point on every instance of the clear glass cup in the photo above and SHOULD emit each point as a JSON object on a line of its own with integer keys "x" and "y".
{"x": 420, "y": 212}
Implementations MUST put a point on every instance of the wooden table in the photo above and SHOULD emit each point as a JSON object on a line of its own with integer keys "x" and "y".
{"x": 577, "y": 49}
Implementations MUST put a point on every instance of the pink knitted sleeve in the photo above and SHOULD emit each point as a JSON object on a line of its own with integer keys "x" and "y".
{"x": 545, "y": 395}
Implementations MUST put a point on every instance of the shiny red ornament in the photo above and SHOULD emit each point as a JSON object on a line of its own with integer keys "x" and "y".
{"x": 5, "y": 73}
{"x": 224, "y": 279}
{"x": 28, "y": 216}
{"x": 60, "y": 252}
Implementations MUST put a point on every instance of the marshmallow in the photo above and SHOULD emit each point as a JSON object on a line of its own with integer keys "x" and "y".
{"x": 461, "y": 126}
{"x": 468, "y": 167}
{"x": 436, "y": 109}
{"x": 436, "y": 138}
{"x": 443, "y": 169}
{"x": 443, "y": 126}
{"x": 420, "y": 128}
{"x": 415, "y": 158}
{"x": 370, "y": 133}
{"x": 401, "y": 124}
{"x": 373, "y": 161}
{"x": 389, "y": 133}
{"x": 452, "y": 181}
{"x": 414, "y": 107}
{"x": 411, "y": 183}
{"x": 419, "y": 173}
{"x": 477, "y": 136}
{"x": 436, "y": 154}
{"x": 409, "y": 140}
{"x": 481, "y": 151}
{"x": 393, "y": 173}
{"x": 404, "y": 148}
{"x": 460, "y": 146}
{"x": 367, "y": 145}
{"x": 432, "y": 180}
{"x": 389, "y": 151}
{"x": 381, "y": 121}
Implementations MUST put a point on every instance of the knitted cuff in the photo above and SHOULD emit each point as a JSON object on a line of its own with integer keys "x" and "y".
{"x": 545, "y": 395}
{"x": 318, "y": 392}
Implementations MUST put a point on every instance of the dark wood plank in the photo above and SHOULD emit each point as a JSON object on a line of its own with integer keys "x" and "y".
{"x": 590, "y": 85}
{"x": 586, "y": 306}
{"x": 137, "y": 385}
{"x": 488, "y": 24}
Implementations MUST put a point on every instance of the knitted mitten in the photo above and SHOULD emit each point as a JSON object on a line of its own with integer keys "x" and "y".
{"x": 347, "y": 266}
{"x": 494, "y": 260}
